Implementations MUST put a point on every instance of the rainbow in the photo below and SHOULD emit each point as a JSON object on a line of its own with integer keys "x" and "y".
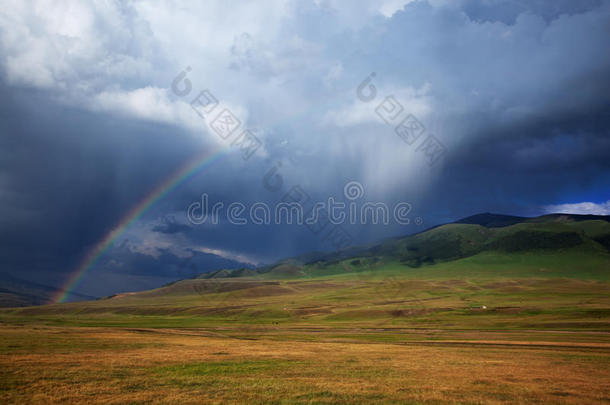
{"x": 170, "y": 183}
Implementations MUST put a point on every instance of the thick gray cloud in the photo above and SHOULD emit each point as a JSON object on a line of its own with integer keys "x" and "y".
{"x": 518, "y": 93}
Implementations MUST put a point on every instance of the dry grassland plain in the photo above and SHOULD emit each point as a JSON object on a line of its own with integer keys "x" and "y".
{"x": 338, "y": 340}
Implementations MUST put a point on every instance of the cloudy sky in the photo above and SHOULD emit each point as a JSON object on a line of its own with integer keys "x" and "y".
{"x": 511, "y": 101}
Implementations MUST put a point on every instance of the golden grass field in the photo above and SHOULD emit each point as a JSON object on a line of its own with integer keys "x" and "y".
{"x": 392, "y": 338}
{"x": 62, "y": 365}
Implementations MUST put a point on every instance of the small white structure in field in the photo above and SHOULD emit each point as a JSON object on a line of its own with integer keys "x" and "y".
{"x": 484, "y": 307}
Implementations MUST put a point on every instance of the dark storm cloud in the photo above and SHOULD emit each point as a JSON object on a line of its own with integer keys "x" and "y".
{"x": 519, "y": 92}
{"x": 69, "y": 176}
{"x": 528, "y": 167}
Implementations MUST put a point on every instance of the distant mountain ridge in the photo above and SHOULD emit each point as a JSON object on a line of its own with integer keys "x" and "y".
{"x": 16, "y": 292}
{"x": 490, "y": 220}
{"x": 463, "y": 238}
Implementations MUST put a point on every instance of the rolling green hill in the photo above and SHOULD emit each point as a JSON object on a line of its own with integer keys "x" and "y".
{"x": 579, "y": 242}
{"x": 547, "y": 272}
